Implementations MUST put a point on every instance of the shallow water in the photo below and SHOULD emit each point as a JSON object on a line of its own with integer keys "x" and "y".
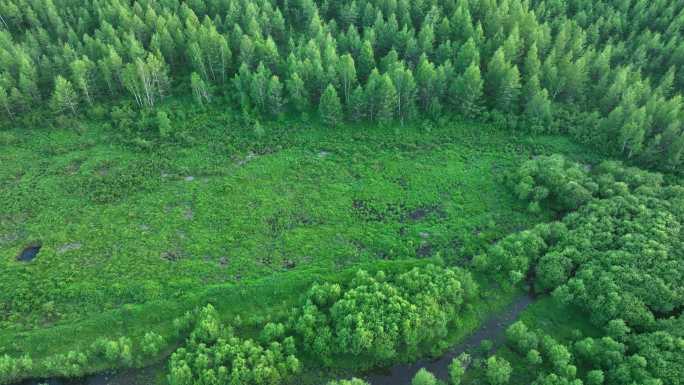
{"x": 29, "y": 253}
{"x": 493, "y": 329}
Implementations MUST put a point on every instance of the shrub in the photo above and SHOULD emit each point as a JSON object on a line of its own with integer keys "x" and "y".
{"x": 423, "y": 377}
{"x": 12, "y": 368}
{"x": 152, "y": 344}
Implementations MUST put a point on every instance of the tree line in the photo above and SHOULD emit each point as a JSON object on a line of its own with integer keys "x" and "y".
{"x": 544, "y": 67}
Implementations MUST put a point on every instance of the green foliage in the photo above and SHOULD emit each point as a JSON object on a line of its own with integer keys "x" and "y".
{"x": 546, "y": 68}
{"x": 64, "y": 98}
{"x": 534, "y": 357}
{"x": 214, "y": 355}
{"x": 457, "y": 369}
{"x": 562, "y": 184}
{"x": 69, "y": 364}
{"x": 423, "y": 377}
{"x": 498, "y": 370}
{"x": 353, "y": 381}
{"x": 380, "y": 317}
{"x": 330, "y": 107}
{"x": 12, "y": 368}
{"x": 152, "y": 344}
{"x": 164, "y": 124}
{"x": 118, "y": 351}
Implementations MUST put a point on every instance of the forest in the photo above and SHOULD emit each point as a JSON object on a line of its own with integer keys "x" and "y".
{"x": 317, "y": 192}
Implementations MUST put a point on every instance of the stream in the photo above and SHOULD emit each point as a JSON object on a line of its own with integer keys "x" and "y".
{"x": 493, "y": 329}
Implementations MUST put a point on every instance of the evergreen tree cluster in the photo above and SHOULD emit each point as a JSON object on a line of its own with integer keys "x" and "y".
{"x": 605, "y": 74}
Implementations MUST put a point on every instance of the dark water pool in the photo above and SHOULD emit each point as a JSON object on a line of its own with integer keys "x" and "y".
{"x": 29, "y": 252}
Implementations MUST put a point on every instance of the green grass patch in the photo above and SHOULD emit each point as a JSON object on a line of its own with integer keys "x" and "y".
{"x": 132, "y": 238}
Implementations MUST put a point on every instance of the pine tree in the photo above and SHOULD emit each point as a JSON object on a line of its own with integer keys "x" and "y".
{"x": 426, "y": 79}
{"x": 467, "y": 91}
{"x": 503, "y": 83}
{"x": 366, "y": 61}
{"x": 275, "y": 96}
{"x": 296, "y": 93}
{"x": 64, "y": 98}
{"x": 347, "y": 74}
{"x": 357, "y": 105}
{"x": 387, "y": 100}
{"x": 5, "y": 103}
{"x": 467, "y": 54}
{"x": 199, "y": 89}
{"x": 538, "y": 110}
{"x": 82, "y": 71}
{"x": 329, "y": 107}
{"x": 406, "y": 92}
{"x": 532, "y": 66}
{"x": 163, "y": 124}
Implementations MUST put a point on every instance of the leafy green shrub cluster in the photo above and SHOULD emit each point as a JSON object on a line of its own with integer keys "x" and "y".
{"x": 382, "y": 317}
{"x": 619, "y": 257}
{"x": 594, "y": 257}
{"x": 562, "y": 184}
{"x": 12, "y": 368}
{"x": 608, "y": 359}
{"x": 120, "y": 352}
{"x": 214, "y": 355}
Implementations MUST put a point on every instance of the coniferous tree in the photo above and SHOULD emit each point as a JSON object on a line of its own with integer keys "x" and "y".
{"x": 467, "y": 54}
{"x": 467, "y": 91}
{"x": 64, "y": 98}
{"x": 387, "y": 100}
{"x": 296, "y": 93}
{"x": 275, "y": 96}
{"x": 502, "y": 83}
{"x": 366, "y": 61}
{"x": 5, "y": 105}
{"x": 82, "y": 71}
{"x": 330, "y": 107}
{"x": 357, "y": 105}
{"x": 199, "y": 89}
{"x": 347, "y": 74}
{"x": 405, "y": 86}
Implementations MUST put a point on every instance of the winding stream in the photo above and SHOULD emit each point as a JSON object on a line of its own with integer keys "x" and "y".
{"x": 493, "y": 329}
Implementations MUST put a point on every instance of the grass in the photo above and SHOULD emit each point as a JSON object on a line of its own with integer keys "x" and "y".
{"x": 132, "y": 238}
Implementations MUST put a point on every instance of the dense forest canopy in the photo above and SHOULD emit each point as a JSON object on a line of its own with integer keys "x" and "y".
{"x": 602, "y": 73}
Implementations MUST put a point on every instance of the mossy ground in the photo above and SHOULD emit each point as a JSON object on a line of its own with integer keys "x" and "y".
{"x": 134, "y": 237}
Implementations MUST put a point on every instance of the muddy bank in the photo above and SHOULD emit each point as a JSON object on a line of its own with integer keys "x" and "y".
{"x": 493, "y": 329}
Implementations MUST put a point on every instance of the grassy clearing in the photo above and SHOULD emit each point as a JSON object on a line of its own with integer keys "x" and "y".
{"x": 133, "y": 238}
